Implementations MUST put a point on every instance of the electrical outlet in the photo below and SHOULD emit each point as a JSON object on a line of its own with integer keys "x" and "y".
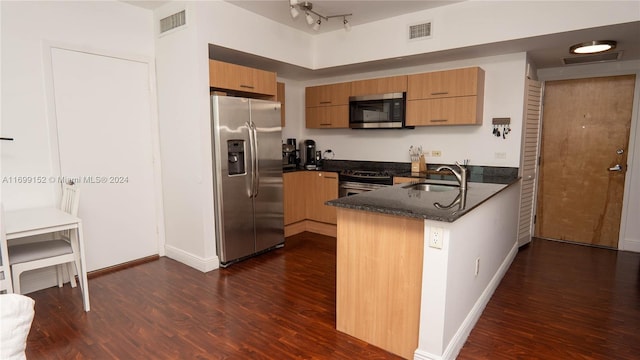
{"x": 436, "y": 236}
{"x": 477, "y": 266}
{"x": 436, "y": 153}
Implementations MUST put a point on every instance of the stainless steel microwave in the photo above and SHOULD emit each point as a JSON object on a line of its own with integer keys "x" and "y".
{"x": 383, "y": 111}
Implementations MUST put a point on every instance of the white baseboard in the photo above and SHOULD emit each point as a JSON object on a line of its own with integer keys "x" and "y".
{"x": 460, "y": 337}
{"x": 630, "y": 245}
{"x": 196, "y": 262}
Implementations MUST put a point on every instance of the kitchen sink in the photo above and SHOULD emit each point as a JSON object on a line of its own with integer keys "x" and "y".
{"x": 431, "y": 187}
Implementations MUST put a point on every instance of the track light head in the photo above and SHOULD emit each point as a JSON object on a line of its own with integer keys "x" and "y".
{"x": 316, "y": 26}
{"x": 347, "y": 26}
{"x": 294, "y": 12}
{"x": 309, "y": 19}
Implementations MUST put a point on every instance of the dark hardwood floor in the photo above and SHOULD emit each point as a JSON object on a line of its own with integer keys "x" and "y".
{"x": 557, "y": 301}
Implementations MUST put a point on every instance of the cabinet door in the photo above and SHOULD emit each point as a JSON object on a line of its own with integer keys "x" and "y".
{"x": 465, "y": 110}
{"x": 294, "y": 185}
{"x": 440, "y": 84}
{"x": 324, "y": 187}
{"x": 280, "y": 96}
{"x": 327, "y": 117}
{"x": 327, "y": 95}
{"x": 404, "y": 179}
{"x": 394, "y": 84}
{"x": 234, "y": 77}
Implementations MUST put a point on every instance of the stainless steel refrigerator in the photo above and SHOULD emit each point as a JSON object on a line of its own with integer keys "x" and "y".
{"x": 247, "y": 176}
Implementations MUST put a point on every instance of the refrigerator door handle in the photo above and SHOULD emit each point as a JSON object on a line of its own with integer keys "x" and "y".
{"x": 252, "y": 153}
{"x": 256, "y": 168}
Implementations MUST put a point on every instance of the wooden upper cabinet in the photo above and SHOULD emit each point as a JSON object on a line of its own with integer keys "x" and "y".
{"x": 462, "y": 110}
{"x": 452, "y": 97}
{"x": 450, "y": 83}
{"x": 393, "y": 84}
{"x": 327, "y": 117}
{"x": 281, "y": 98}
{"x": 241, "y": 79}
{"x": 328, "y": 95}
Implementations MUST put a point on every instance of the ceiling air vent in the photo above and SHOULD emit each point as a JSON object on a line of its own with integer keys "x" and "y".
{"x": 172, "y": 21}
{"x": 590, "y": 59}
{"x": 420, "y": 31}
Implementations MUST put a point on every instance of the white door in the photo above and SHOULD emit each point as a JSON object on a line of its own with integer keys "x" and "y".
{"x": 103, "y": 115}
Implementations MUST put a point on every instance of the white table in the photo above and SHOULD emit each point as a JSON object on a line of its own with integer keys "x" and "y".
{"x": 36, "y": 221}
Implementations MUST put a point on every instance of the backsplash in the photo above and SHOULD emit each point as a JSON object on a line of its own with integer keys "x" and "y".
{"x": 484, "y": 174}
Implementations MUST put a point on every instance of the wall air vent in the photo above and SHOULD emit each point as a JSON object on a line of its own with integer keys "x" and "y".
{"x": 591, "y": 59}
{"x": 420, "y": 31}
{"x": 173, "y": 21}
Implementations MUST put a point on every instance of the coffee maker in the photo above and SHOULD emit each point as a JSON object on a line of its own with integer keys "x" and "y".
{"x": 309, "y": 155}
{"x": 289, "y": 154}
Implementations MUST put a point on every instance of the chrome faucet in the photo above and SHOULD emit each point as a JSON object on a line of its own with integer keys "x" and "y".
{"x": 460, "y": 176}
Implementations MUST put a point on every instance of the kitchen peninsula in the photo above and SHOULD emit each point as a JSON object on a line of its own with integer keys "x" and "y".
{"x": 415, "y": 268}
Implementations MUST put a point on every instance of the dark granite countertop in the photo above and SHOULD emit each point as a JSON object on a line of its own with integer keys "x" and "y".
{"x": 401, "y": 201}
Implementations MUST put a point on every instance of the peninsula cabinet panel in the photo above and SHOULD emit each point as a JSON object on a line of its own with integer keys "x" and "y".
{"x": 393, "y": 84}
{"x": 328, "y": 95}
{"x": 466, "y": 110}
{"x": 242, "y": 79}
{"x": 327, "y": 117}
{"x": 379, "y": 279}
{"x": 450, "y": 83}
{"x": 323, "y": 187}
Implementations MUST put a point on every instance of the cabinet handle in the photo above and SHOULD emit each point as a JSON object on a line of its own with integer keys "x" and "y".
{"x": 325, "y": 102}
{"x": 329, "y": 124}
{"x": 438, "y": 120}
{"x": 330, "y": 177}
{"x": 246, "y": 86}
{"x": 440, "y": 93}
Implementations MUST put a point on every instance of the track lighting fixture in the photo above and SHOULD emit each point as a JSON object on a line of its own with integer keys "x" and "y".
{"x": 296, "y": 6}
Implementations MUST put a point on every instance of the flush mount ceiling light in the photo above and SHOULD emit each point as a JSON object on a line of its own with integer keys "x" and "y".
{"x": 296, "y": 6}
{"x": 593, "y": 47}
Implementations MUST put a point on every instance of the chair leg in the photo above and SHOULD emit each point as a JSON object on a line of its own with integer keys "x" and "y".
{"x": 16, "y": 281}
{"x": 59, "y": 275}
{"x": 72, "y": 275}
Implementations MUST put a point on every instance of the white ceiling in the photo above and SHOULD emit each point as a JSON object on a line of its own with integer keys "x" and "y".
{"x": 544, "y": 51}
{"x": 363, "y": 11}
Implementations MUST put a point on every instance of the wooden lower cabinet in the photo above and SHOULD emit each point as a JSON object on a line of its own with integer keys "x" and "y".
{"x": 323, "y": 186}
{"x": 305, "y": 193}
{"x": 403, "y": 179}
{"x": 464, "y": 110}
{"x": 379, "y": 279}
{"x": 294, "y": 192}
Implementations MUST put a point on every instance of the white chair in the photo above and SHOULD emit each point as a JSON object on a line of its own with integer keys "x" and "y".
{"x": 6, "y": 285}
{"x": 58, "y": 251}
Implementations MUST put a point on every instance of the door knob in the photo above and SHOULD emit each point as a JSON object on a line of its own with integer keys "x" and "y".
{"x": 616, "y": 168}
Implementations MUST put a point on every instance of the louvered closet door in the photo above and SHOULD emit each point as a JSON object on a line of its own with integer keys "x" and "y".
{"x": 529, "y": 161}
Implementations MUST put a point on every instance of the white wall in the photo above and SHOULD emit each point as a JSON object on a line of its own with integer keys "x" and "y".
{"x": 453, "y": 297}
{"x": 26, "y": 29}
{"x": 183, "y": 89}
{"x": 504, "y": 91}
{"x": 466, "y": 24}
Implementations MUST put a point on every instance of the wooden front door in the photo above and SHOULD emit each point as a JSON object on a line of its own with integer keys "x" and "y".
{"x": 585, "y": 132}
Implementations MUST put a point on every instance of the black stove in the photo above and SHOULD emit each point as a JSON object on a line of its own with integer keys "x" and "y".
{"x": 367, "y": 176}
